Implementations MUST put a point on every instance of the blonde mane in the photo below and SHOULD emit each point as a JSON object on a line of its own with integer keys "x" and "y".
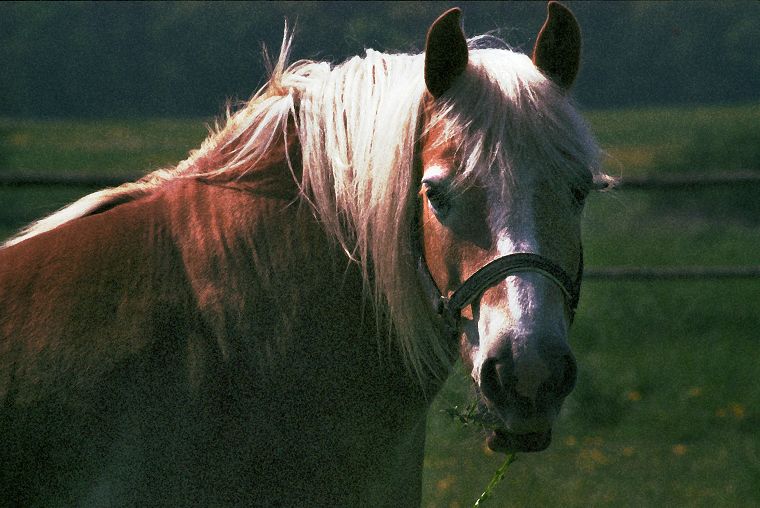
{"x": 358, "y": 124}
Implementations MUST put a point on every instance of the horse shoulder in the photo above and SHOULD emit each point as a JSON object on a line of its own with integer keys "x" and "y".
{"x": 94, "y": 315}
{"x": 86, "y": 292}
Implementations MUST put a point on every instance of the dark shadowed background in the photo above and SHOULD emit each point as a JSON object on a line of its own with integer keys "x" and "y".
{"x": 186, "y": 59}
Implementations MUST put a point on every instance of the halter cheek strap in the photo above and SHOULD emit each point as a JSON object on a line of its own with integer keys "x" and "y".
{"x": 450, "y": 308}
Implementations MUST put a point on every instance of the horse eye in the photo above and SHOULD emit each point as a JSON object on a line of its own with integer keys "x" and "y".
{"x": 438, "y": 200}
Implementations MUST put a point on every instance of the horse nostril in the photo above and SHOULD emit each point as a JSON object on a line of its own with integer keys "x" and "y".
{"x": 568, "y": 376}
{"x": 543, "y": 383}
{"x": 489, "y": 380}
{"x": 493, "y": 378}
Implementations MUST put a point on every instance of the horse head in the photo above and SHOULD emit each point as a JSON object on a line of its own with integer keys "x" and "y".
{"x": 502, "y": 187}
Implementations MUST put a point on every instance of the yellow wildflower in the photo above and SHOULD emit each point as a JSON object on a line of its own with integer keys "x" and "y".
{"x": 737, "y": 410}
{"x": 694, "y": 391}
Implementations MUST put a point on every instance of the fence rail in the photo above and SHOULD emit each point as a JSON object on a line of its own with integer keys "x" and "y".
{"x": 617, "y": 273}
{"x": 647, "y": 273}
{"x": 63, "y": 179}
{"x": 690, "y": 181}
{"x": 661, "y": 182}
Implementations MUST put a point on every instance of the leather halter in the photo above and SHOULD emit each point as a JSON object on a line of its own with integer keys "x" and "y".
{"x": 450, "y": 308}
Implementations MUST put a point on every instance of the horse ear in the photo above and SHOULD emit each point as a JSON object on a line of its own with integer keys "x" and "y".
{"x": 445, "y": 52}
{"x": 557, "y": 52}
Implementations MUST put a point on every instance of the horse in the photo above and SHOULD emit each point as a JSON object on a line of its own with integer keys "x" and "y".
{"x": 266, "y": 322}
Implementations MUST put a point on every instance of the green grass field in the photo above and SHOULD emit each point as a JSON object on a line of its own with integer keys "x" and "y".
{"x": 666, "y": 411}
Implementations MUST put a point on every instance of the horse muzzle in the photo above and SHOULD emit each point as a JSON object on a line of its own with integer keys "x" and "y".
{"x": 525, "y": 393}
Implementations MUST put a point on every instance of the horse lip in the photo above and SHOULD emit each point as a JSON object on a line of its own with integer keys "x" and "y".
{"x": 508, "y": 442}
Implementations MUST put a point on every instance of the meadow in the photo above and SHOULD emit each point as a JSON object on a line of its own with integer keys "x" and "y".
{"x": 667, "y": 406}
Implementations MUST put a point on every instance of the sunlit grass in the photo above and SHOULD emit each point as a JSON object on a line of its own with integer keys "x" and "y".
{"x": 95, "y": 146}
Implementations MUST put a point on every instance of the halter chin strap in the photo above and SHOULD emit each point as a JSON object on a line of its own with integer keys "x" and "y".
{"x": 450, "y": 308}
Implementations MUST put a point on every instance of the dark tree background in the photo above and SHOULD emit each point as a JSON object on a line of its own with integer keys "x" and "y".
{"x": 186, "y": 59}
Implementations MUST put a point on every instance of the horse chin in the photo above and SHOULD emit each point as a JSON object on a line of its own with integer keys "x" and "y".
{"x": 505, "y": 441}
{"x": 514, "y": 434}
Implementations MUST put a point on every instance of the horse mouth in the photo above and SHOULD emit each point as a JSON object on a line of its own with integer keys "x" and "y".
{"x": 507, "y": 442}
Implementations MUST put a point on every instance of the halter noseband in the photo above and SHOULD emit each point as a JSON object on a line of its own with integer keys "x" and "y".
{"x": 450, "y": 308}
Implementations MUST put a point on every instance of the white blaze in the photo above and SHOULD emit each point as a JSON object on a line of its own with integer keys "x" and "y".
{"x": 534, "y": 307}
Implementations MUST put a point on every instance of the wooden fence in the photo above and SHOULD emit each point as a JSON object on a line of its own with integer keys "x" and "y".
{"x": 664, "y": 182}
{"x": 617, "y": 273}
